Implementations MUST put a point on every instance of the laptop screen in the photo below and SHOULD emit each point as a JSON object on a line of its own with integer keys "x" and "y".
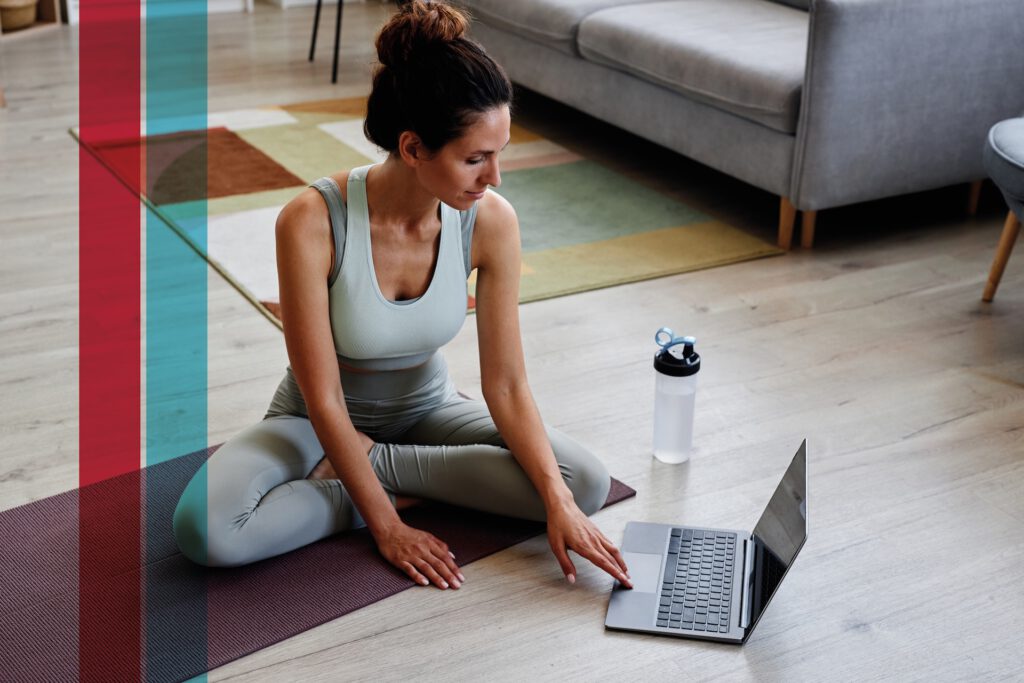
{"x": 779, "y": 534}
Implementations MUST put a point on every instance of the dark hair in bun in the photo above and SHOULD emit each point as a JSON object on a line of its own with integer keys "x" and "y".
{"x": 432, "y": 80}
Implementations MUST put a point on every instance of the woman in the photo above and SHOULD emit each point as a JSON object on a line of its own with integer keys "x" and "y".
{"x": 373, "y": 265}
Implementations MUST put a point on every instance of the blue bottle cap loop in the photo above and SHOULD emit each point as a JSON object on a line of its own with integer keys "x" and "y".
{"x": 668, "y": 363}
{"x": 666, "y": 339}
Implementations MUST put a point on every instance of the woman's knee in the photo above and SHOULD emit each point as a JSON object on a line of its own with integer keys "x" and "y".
{"x": 204, "y": 544}
{"x": 585, "y": 475}
{"x": 191, "y": 532}
{"x": 210, "y": 515}
{"x": 199, "y": 537}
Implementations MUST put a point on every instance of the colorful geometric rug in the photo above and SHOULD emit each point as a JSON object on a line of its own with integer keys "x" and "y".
{"x": 583, "y": 225}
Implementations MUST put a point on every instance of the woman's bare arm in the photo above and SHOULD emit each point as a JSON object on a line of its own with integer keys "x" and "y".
{"x": 497, "y": 256}
{"x": 303, "y": 264}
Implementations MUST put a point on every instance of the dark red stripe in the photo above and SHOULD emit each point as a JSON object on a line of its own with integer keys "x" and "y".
{"x": 109, "y": 340}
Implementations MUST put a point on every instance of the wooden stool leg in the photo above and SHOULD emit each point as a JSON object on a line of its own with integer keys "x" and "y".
{"x": 807, "y": 229}
{"x": 787, "y": 216}
{"x": 1010, "y": 230}
{"x": 973, "y": 197}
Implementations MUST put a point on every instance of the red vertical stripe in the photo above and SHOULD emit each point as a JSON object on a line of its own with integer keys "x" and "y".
{"x": 109, "y": 341}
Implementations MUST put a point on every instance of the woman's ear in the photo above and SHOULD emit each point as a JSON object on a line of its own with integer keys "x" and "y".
{"x": 411, "y": 148}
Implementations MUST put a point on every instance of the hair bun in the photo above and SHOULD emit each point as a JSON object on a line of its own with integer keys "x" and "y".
{"x": 417, "y": 25}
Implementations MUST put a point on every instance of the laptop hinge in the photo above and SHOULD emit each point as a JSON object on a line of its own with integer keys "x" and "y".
{"x": 748, "y": 582}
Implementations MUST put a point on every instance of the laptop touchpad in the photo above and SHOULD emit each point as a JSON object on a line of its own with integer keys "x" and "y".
{"x": 644, "y": 569}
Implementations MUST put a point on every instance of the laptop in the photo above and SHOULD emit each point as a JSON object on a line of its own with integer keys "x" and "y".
{"x": 711, "y": 584}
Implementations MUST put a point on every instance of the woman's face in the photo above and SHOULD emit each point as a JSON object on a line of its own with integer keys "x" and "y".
{"x": 460, "y": 172}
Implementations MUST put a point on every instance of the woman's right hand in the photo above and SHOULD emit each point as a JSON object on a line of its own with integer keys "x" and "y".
{"x": 421, "y": 555}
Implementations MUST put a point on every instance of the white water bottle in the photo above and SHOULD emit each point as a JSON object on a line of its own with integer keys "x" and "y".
{"x": 675, "y": 391}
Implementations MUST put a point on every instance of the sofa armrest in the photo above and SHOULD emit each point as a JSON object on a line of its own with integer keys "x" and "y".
{"x": 899, "y": 94}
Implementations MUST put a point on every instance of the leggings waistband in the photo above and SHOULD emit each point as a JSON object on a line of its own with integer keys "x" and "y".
{"x": 381, "y": 404}
{"x": 393, "y": 384}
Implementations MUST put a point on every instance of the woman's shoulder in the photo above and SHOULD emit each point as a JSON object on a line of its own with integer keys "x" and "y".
{"x": 496, "y": 230}
{"x": 341, "y": 180}
{"x": 307, "y": 214}
{"x": 303, "y": 215}
{"x": 494, "y": 212}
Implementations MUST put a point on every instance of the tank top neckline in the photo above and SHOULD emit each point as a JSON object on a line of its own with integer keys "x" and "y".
{"x": 358, "y": 175}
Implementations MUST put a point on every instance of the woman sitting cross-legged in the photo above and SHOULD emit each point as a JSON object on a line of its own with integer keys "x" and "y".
{"x": 373, "y": 264}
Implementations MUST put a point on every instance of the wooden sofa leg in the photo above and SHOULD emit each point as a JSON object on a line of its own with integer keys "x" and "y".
{"x": 1010, "y": 230}
{"x": 787, "y": 216}
{"x": 807, "y": 229}
{"x": 973, "y": 197}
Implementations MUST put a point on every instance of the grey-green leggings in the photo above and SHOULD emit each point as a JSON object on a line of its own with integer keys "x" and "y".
{"x": 251, "y": 500}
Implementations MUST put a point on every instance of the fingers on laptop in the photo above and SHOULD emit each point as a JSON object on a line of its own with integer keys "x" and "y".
{"x": 605, "y": 560}
{"x": 599, "y": 555}
{"x": 603, "y": 553}
{"x": 616, "y": 555}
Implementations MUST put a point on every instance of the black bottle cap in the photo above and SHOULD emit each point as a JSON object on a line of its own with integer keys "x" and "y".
{"x": 669, "y": 361}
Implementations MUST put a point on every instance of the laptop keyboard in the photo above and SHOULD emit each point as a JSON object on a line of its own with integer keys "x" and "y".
{"x": 696, "y": 592}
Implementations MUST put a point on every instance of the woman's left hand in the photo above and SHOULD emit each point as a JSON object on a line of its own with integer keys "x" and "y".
{"x": 570, "y": 529}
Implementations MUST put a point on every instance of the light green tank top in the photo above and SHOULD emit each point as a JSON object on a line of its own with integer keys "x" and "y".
{"x": 370, "y": 332}
{"x": 374, "y": 333}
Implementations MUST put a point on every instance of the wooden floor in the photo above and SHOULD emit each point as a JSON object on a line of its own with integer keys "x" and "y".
{"x": 875, "y": 346}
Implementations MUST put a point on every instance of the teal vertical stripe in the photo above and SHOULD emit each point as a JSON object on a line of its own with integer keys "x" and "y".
{"x": 176, "y": 331}
{"x": 176, "y": 42}
{"x": 176, "y": 310}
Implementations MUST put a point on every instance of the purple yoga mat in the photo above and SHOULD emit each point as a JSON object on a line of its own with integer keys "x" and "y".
{"x": 196, "y": 619}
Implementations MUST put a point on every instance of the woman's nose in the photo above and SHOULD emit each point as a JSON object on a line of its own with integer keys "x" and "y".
{"x": 493, "y": 176}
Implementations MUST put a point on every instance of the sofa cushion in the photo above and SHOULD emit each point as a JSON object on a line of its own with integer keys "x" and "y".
{"x": 743, "y": 56}
{"x": 550, "y": 22}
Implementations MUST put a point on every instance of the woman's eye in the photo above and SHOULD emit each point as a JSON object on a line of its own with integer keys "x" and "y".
{"x": 475, "y": 161}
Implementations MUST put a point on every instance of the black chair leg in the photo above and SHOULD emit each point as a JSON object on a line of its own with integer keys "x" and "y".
{"x": 337, "y": 40}
{"x": 316, "y": 24}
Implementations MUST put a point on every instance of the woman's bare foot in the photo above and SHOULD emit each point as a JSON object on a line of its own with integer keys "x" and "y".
{"x": 323, "y": 470}
{"x": 402, "y": 502}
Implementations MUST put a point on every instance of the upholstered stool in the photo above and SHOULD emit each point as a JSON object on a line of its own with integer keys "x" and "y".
{"x": 1004, "y": 161}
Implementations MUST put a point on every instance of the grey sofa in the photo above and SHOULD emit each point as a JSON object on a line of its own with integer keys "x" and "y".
{"x": 821, "y": 102}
